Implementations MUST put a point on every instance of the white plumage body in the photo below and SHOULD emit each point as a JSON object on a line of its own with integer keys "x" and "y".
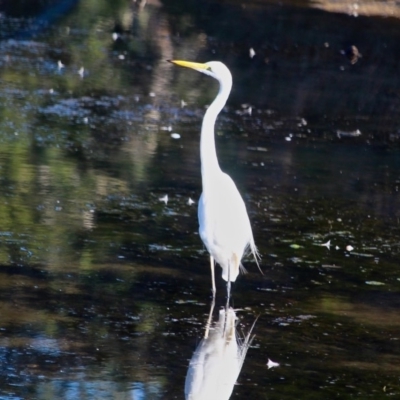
{"x": 226, "y": 232}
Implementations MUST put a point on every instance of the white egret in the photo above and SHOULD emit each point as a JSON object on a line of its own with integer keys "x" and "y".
{"x": 224, "y": 224}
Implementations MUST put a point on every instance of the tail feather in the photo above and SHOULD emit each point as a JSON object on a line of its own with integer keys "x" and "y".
{"x": 242, "y": 269}
{"x": 256, "y": 254}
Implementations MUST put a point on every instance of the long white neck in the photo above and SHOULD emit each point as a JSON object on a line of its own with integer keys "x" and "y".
{"x": 208, "y": 154}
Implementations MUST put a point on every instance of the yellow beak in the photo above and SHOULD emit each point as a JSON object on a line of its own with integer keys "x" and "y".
{"x": 189, "y": 64}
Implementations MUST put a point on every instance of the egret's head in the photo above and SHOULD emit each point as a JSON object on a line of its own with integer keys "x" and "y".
{"x": 215, "y": 69}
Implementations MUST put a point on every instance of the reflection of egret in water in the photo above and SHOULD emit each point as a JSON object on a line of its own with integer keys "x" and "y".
{"x": 217, "y": 361}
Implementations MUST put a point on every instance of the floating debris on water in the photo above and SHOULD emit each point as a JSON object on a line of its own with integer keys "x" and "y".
{"x": 190, "y": 201}
{"x": 374, "y": 283}
{"x": 257, "y": 148}
{"x": 341, "y": 134}
{"x": 285, "y": 321}
{"x": 175, "y": 135}
{"x": 327, "y": 244}
{"x": 164, "y": 199}
{"x": 363, "y": 255}
{"x": 302, "y": 122}
{"x": 352, "y": 53}
{"x": 160, "y": 247}
{"x": 272, "y": 364}
{"x": 246, "y": 109}
{"x": 185, "y": 301}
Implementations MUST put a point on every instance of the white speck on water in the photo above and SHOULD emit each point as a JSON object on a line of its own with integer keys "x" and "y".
{"x": 327, "y": 244}
{"x": 374, "y": 283}
{"x": 164, "y": 199}
{"x": 349, "y": 247}
{"x": 272, "y": 364}
{"x": 341, "y": 134}
{"x": 252, "y": 53}
{"x": 175, "y": 135}
{"x": 190, "y": 201}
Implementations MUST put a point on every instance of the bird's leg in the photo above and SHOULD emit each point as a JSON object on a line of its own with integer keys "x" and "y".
{"x": 209, "y": 320}
{"x": 228, "y": 291}
{"x": 228, "y": 287}
{"x": 212, "y": 265}
{"x": 228, "y": 294}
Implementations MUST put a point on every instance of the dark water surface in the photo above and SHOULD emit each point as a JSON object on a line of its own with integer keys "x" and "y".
{"x": 105, "y": 289}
